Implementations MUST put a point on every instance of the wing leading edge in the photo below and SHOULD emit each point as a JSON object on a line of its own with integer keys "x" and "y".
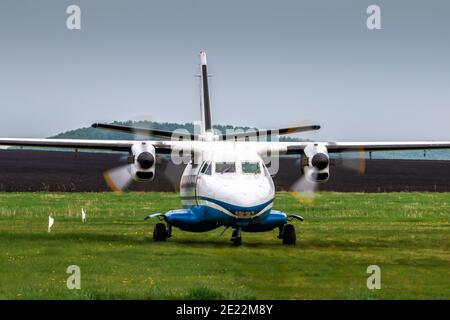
{"x": 280, "y": 147}
{"x": 386, "y": 145}
{"x": 113, "y": 145}
{"x": 336, "y": 147}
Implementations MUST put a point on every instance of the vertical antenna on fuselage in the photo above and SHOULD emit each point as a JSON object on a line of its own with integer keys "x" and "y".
{"x": 205, "y": 104}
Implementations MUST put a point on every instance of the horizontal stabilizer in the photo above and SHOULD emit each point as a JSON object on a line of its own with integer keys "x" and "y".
{"x": 273, "y": 132}
{"x": 145, "y": 131}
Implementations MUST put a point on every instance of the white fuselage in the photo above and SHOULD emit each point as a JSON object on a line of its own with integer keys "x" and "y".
{"x": 228, "y": 180}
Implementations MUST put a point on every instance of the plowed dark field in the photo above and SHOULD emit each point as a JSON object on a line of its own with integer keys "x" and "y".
{"x": 30, "y": 170}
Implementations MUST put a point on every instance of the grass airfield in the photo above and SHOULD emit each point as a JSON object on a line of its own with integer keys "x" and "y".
{"x": 406, "y": 234}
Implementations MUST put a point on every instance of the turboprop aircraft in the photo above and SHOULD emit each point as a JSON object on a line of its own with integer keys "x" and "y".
{"x": 226, "y": 181}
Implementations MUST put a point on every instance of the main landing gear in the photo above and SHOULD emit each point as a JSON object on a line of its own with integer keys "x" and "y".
{"x": 161, "y": 233}
{"x": 236, "y": 237}
{"x": 287, "y": 233}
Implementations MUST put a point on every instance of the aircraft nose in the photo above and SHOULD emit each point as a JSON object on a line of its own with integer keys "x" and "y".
{"x": 248, "y": 194}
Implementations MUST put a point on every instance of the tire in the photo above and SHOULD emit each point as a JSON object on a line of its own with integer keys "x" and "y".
{"x": 237, "y": 241}
{"x": 289, "y": 236}
{"x": 160, "y": 232}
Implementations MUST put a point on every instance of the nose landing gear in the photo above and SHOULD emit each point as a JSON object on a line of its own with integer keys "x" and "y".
{"x": 161, "y": 233}
{"x": 287, "y": 233}
{"x": 236, "y": 237}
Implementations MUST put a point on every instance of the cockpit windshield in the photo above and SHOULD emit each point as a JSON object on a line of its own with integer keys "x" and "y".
{"x": 251, "y": 167}
{"x": 225, "y": 167}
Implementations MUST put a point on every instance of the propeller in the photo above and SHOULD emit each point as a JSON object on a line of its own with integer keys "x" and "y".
{"x": 356, "y": 164}
{"x": 171, "y": 174}
{"x": 304, "y": 188}
{"x": 119, "y": 178}
{"x": 165, "y": 170}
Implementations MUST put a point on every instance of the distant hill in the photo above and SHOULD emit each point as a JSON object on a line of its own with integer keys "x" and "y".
{"x": 92, "y": 133}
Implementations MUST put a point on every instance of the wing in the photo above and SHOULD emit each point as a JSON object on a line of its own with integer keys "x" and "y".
{"x": 280, "y": 147}
{"x": 335, "y": 147}
{"x": 114, "y": 145}
{"x": 386, "y": 145}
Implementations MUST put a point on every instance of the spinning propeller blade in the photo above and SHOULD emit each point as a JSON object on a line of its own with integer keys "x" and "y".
{"x": 304, "y": 188}
{"x": 355, "y": 164}
{"x": 171, "y": 174}
{"x": 118, "y": 178}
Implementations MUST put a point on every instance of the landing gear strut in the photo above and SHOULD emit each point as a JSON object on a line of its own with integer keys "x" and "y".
{"x": 236, "y": 237}
{"x": 161, "y": 233}
{"x": 287, "y": 233}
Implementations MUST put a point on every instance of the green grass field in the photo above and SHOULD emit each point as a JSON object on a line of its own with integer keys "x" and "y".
{"x": 405, "y": 234}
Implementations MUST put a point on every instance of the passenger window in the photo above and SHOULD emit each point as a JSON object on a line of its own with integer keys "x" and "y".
{"x": 225, "y": 167}
{"x": 251, "y": 167}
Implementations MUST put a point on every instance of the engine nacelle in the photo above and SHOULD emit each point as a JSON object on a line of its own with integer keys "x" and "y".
{"x": 315, "y": 163}
{"x": 142, "y": 160}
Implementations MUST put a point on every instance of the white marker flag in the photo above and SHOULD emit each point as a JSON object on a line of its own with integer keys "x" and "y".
{"x": 83, "y": 215}
{"x": 50, "y": 223}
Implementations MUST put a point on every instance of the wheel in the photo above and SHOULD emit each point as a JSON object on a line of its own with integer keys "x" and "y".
{"x": 236, "y": 238}
{"x": 289, "y": 236}
{"x": 160, "y": 232}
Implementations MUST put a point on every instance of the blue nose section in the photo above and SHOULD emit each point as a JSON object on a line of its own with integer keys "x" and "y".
{"x": 212, "y": 213}
{"x": 191, "y": 219}
{"x": 274, "y": 220}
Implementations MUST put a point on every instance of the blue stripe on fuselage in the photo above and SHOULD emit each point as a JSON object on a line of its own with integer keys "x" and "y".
{"x": 230, "y": 207}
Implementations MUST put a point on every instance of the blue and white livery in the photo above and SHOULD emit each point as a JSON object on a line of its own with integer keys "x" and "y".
{"x": 226, "y": 182}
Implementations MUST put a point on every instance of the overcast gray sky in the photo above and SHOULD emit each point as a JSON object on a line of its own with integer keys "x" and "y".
{"x": 275, "y": 63}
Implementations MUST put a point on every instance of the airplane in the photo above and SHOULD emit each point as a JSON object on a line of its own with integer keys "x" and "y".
{"x": 226, "y": 182}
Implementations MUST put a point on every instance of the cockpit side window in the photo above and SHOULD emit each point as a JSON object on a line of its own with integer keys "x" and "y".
{"x": 266, "y": 171}
{"x": 251, "y": 167}
{"x": 206, "y": 169}
{"x": 225, "y": 167}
